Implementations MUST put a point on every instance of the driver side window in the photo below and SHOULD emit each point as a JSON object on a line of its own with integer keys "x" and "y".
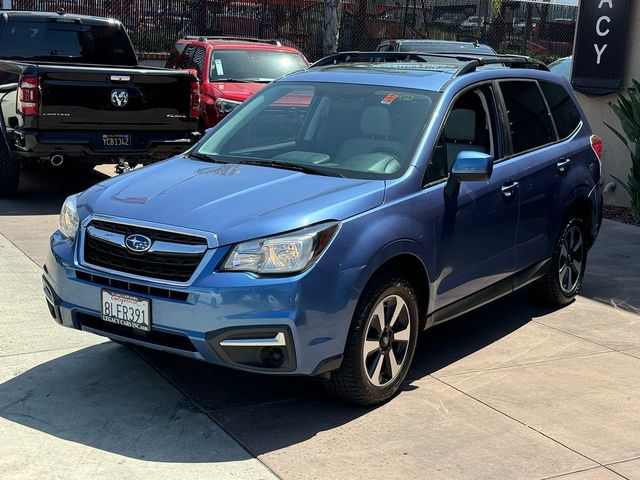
{"x": 470, "y": 126}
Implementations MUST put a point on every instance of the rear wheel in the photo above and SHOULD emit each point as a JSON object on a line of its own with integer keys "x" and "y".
{"x": 560, "y": 286}
{"x": 380, "y": 345}
{"x": 9, "y": 170}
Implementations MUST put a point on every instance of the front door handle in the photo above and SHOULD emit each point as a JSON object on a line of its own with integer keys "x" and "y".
{"x": 563, "y": 164}
{"x": 509, "y": 188}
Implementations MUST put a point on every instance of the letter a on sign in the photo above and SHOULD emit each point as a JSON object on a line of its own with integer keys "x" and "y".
{"x": 608, "y": 2}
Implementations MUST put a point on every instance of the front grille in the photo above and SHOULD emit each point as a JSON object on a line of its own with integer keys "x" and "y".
{"x": 153, "y": 234}
{"x": 172, "y": 340}
{"x": 178, "y": 267}
{"x": 133, "y": 287}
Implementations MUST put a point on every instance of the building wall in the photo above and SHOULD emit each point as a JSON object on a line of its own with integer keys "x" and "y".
{"x": 616, "y": 159}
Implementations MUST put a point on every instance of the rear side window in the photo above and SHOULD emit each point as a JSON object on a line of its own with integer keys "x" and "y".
{"x": 563, "y": 110}
{"x": 529, "y": 118}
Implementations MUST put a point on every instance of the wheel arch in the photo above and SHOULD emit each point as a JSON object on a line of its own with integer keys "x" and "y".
{"x": 408, "y": 265}
{"x": 581, "y": 207}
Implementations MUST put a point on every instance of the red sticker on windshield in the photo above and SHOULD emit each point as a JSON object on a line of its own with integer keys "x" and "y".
{"x": 388, "y": 100}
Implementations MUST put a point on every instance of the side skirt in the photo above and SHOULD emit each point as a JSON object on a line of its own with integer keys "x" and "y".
{"x": 490, "y": 293}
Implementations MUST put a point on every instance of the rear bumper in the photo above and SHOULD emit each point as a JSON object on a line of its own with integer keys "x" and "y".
{"x": 596, "y": 212}
{"x": 87, "y": 146}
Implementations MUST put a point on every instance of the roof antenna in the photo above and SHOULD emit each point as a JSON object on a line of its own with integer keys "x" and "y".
{"x": 60, "y": 11}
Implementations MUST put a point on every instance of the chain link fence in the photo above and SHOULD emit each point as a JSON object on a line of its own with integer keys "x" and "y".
{"x": 538, "y": 28}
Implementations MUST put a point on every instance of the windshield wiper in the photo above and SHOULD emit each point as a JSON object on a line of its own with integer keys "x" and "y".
{"x": 206, "y": 157}
{"x": 260, "y": 80}
{"x": 291, "y": 166}
{"x": 234, "y": 80}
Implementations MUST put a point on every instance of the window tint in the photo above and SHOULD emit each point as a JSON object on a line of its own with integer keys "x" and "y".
{"x": 530, "y": 122}
{"x": 469, "y": 127}
{"x": 564, "y": 111}
{"x": 102, "y": 45}
{"x": 187, "y": 57}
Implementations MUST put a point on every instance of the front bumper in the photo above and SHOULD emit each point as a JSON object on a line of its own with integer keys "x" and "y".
{"x": 286, "y": 325}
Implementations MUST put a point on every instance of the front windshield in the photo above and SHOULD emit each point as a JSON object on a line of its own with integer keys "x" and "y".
{"x": 253, "y": 65}
{"x": 356, "y": 131}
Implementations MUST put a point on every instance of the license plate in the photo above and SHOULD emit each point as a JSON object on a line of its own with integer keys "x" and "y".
{"x": 117, "y": 141}
{"x": 126, "y": 310}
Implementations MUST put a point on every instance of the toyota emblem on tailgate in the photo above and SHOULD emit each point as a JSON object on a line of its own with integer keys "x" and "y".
{"x": 137, "y": 243}
{"x": 119, "y": 98}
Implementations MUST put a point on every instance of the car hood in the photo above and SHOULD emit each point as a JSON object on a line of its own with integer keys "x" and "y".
{"x": 236, "y": 90}
{"x": 236, "y": 202}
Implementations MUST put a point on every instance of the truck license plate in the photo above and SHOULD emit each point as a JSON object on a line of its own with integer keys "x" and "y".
{"x": 117, "y": 141}
{"x": 126, "y": 310}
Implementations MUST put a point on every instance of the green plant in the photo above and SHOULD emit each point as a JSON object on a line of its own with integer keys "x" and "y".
{"x": 628, "y": 112}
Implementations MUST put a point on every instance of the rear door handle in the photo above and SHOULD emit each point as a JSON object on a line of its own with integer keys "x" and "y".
{"x": 509, "y": 188}
{"x": 563, "y": 164}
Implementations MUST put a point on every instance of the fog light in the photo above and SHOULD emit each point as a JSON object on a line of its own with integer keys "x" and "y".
{"x": 274, "y": 356}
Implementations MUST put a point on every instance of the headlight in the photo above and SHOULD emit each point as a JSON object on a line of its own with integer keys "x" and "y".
{"x": 224, "y": 106}
{"x": 69, "y": 219}
{"x": 287, "y": 253}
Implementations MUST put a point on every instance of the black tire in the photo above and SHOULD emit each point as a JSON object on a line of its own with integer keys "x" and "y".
{"x": 556, "y": 288}
{"x": 9, "y": 170}
{"x": 351, "y": 382}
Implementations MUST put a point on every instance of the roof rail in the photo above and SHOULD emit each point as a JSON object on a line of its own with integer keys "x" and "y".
{"x": 204, "y": 38}
{"x": 469, "y": 62}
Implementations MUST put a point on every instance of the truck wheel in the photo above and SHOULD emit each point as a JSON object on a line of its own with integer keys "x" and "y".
{"x": 560, "y": 286}
{"x": 381, "y": 343}
{"x": 9, "y": 170}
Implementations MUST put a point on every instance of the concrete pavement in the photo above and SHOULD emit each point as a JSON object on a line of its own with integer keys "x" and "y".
{"x": 511, "y": 391}
{"x": 73, "y": 405}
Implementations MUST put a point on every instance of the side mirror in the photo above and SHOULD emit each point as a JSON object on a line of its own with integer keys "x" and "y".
{"x": 469, "y": 166}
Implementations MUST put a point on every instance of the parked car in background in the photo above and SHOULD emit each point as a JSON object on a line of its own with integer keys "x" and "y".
{"x": 562, "y": 66}
{"x": 335, "y": 215}
{"x": 231, "y": 69}
{"x": 435, "y": 46}
{"x": 472, "y": 24}
{"x": 72, "y": 94}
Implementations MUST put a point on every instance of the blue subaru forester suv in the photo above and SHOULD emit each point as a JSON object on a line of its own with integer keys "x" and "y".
{"x": 336, "y": 214}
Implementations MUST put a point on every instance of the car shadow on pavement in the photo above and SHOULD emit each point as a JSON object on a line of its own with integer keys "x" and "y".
{"x": 269, "y": 413}
{"x": 43, "y": 190}
{"x": 105, "y": 397}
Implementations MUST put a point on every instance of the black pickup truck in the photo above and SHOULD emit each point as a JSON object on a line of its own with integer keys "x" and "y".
{"x": 72, "y": 94}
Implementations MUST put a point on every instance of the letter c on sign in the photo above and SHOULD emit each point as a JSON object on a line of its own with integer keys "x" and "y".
{"x": 599, "y": 30}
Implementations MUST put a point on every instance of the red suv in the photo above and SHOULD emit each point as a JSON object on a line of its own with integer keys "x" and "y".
{"x": 231, "y": 69}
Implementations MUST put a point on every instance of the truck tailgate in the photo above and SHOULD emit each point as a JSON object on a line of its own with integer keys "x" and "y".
{"x": 114, "y": 99}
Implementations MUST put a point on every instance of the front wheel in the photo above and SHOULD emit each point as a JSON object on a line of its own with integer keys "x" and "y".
{"x": 381, "y": 343}
{"x": 560, "y": 286}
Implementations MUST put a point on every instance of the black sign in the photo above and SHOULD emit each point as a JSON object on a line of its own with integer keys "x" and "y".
{"x": 599, "y": 49}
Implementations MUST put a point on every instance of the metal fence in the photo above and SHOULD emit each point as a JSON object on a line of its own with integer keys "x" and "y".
{"x": 538, "y": 28}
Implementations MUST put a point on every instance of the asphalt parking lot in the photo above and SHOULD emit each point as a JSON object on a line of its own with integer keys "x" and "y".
{"x": 511, "y": 391}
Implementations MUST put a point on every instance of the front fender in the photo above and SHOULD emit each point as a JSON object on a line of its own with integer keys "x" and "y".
{"x": 371, "y": 239}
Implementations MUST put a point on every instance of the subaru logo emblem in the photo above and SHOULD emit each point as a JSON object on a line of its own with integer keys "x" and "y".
{"x": 137, "y": 243}
{"x": 119, "y": 98}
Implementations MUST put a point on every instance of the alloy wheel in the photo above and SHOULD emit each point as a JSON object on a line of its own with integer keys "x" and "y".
{"x": 571, "y": 259}
{"x": 386, "y": 341}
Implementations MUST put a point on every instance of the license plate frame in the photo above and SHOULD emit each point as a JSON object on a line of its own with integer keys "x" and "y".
{"x": 138, "y": 308}
{"x": 116, "y": 141}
